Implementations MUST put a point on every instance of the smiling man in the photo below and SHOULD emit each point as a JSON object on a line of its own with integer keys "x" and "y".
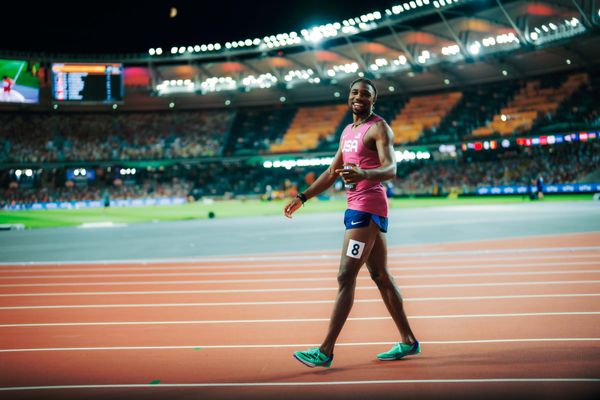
{"x": 364, "y": 159}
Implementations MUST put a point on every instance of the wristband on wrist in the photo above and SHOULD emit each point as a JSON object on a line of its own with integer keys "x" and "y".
{"x": 302, "y": 197}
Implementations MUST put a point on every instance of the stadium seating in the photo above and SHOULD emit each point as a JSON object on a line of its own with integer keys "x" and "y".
{"x": 386, "y": 107}
{"x": 579, "y": 112}
{"x": 437, "y": 118}
{"x": 52, "y": 188}
{"x": 420, "y": 113}
{"x": 478, "y": 104}
{"x": 331, "y": 142}
{"x": 43, "y": 137}
{"x": 309, "y": 126}
{"x": 51, "y": 141}
{"x": 254, "y": 130}
{"x": 530, "y": 103}
{"x": 566, "y": 163}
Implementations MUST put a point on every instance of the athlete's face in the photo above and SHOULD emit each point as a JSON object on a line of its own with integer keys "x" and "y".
{"x": 361, "y": 99}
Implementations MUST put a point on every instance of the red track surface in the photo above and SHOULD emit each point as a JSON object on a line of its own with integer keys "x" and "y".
{"x": 515, "y": 317}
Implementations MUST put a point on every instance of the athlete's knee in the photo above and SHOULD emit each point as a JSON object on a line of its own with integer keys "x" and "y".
{"x": 346, "y": 276}
{"x": 381, "y": 278}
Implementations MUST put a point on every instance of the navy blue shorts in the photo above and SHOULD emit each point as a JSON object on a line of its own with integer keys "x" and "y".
{"x": 359, "y": 219}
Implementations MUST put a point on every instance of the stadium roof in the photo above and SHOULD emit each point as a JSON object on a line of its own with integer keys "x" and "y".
{"x": 134, "y": 26}
{"x": 407, "y": 46}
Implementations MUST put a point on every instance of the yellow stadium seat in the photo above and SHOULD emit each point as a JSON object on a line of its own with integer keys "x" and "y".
{"x": 422, "y": 112}
{"x": 530, "y": 103}
{"x": 309, "y": 126}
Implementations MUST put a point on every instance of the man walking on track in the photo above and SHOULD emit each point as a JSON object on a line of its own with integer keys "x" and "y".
{"x": 364, "y": 159}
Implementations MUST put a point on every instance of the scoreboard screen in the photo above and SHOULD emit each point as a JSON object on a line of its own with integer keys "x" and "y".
{"x": 79, "y": 82}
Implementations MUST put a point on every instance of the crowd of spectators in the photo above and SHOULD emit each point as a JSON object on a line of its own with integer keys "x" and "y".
{"x": 566, "y": 163}
{"x": 44, "y": 137}
{"x": 27, "y": 195}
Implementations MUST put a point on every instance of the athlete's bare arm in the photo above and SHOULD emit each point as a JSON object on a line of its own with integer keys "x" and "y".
{"x": 381, "y": 138}
{"x": 322, "y": 183}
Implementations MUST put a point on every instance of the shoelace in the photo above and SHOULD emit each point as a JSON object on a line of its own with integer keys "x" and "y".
{"x": 315, "y": 353}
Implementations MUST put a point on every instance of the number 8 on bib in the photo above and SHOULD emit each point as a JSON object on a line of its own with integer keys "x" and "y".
{"x": 355, "y": 249}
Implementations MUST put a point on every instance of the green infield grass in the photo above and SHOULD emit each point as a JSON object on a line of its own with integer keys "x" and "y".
{"x": 10, "y": 68}
{"x": 232, "y": 208}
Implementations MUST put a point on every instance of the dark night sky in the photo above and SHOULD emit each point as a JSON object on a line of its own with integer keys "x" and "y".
{"x": 135, "y": 26}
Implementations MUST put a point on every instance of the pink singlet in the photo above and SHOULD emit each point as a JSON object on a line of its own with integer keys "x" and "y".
{"x": 368, "y": 196}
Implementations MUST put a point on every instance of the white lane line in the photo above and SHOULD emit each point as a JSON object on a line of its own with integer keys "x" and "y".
{"x": 295, "y": 257}
{"x": 279, "y": 346}
{"x": 283, "y": 280}
{"x": 287, "y": 266}
{"x": 287, "y": 271}
{"x": 296, "y": 289}
{"x": 295, "y": 320}
{"x": 317, "y": 383}
{"x": 298, "y": 302}
{"x": 495, "y": 251}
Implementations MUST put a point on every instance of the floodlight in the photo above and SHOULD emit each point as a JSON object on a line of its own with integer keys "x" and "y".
{"x": 475, "y": 48}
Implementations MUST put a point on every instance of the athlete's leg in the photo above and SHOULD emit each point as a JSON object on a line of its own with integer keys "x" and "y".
{"x": 353, "y": 257}
{"x": 377, "y": 265}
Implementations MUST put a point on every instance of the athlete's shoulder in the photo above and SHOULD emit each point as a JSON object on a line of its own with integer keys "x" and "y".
{"x": 378, "y": 120}
{"x": 380, "y": 123}
{"x": 382, "y": 129}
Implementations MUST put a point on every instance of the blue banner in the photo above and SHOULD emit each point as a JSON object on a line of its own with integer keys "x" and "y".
{"x": 68, "y": 205}
{"x": 524, "y": 189}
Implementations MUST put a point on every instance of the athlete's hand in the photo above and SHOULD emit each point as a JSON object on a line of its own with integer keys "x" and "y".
{"x": 354, "y": 174}
{"x": 291, "y": 207}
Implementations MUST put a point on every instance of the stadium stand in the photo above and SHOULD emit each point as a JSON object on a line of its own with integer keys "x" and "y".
{"x": 436, "y": 118}
{"x": 478, "y": 105}
{"x": 188, "y": 145}
{"x": 532, "y": 102}
{"x": 331, "y": 142}
{"x": 565, "y": 163}
{"x": 387, "y": 107}
{"x": 420, "y": 113}
{"x": 43, "y": 137}
{"x": 207, "y": 179}
{"x": 255, "y": 130}
{"x": 52, "y": 187}
{"x": 309, "y": 126}
{"x": 580, "y": 111}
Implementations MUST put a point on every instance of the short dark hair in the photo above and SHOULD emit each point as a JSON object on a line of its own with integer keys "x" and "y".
{"x": 364, "y": 80}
